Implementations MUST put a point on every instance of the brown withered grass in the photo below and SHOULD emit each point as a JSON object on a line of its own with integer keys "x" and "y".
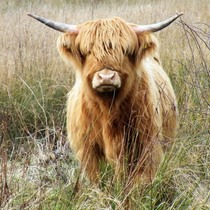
{"x": 37, "y": 168}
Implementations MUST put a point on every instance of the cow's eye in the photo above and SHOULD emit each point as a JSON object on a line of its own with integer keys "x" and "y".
{"x": 83, "y": 57}
{"x": 123, "y": 51}
{"x": 110, "y": 45}
{"x": 132, "y": 57}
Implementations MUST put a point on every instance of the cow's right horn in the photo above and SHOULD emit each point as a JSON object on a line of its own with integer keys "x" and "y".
{"x": 62, "y": 27}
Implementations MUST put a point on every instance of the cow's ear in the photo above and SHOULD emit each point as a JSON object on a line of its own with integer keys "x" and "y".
{"x": 68, "y": 49}
{"x": 148, "y": 45}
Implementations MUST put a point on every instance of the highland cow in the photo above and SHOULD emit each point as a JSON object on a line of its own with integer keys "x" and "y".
{"x": 122, "y": 108}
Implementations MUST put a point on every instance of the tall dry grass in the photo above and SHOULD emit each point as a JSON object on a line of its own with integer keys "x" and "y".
{"x": 37, "y": 170}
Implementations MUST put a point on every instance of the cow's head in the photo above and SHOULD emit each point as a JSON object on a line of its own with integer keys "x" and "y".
{"x": 106, "y": 52}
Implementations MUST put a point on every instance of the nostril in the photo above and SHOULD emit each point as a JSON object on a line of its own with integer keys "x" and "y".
{"x": 106, "y": 76}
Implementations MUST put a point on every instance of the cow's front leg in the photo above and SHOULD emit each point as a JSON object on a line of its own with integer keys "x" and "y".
{"x": 89, "y": 159}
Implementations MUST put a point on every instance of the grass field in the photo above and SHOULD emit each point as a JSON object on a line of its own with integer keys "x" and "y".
{"x": 37, "y": 168}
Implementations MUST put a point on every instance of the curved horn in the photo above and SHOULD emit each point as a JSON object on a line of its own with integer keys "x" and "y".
{"x": 156, "y": 26}
{"x": 62, "y": 27}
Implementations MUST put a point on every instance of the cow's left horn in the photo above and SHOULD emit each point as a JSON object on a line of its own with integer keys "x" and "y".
{"x": 156, "y": 26}
{"x": 62, "y": 27}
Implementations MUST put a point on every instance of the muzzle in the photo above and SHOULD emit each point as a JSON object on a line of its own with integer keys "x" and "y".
{"x": 106, "y": 80}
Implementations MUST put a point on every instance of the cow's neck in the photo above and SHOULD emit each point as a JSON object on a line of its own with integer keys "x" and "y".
{"x": 110, "y": 108}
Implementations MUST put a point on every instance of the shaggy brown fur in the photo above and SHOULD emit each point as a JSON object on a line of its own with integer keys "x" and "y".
{"x": 127, "y": 127}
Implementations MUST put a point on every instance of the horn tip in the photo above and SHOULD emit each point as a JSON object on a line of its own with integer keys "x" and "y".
{"x": 179, "y": 14}
{"x": 31, "y": 15}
